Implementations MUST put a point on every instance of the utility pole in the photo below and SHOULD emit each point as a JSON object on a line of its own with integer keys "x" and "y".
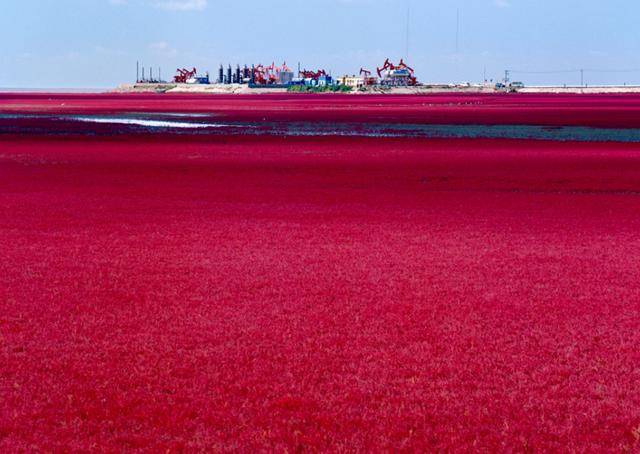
{"x": 406, "y": 53}
{"x": 457, "y": 30}
{"x": 582, "y": 77}
{"x": 137, "y": 71}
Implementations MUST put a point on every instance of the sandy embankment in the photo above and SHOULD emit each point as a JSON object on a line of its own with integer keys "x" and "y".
{"x": 219, "y": 89}
{"x": 244, "y": 89}
{"x": 424, "y": 89}
{"x": 584, "y": 90}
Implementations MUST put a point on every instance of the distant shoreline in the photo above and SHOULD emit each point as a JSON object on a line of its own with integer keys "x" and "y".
{"x": 54, "y": 90}
{"x": 219, "y": 89}
{"x": 418, "y": 90}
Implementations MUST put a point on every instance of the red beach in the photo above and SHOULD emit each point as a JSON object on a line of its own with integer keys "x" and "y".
{"x": 230, "y": 291}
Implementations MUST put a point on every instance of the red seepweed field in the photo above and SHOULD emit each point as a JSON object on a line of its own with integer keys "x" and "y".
{"x": 231, "y": 292}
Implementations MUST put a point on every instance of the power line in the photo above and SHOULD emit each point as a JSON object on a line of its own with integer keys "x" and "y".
{"x": 581, "y": 71}
{"x": 566, "y": 71}
{"x": 612, "y": 70}
{"x": 561, "y": 71}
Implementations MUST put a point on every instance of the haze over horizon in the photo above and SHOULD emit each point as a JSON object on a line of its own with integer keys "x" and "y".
{"x": 96, "y": 43}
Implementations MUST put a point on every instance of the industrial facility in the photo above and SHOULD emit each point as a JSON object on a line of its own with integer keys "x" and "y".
{"x": 274, "y": 76}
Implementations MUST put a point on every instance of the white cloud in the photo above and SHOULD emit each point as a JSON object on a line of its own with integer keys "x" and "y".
{"x": 108, "y": 51}
{"x": 169, "y": 5}
{"x": 162, "y": 48}
{"x": 182, "y": 5}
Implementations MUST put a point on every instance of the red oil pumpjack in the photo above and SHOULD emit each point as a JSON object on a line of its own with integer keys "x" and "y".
{"x": 401, "y": 70}
{"x": 262, "y": 75}
{"x": 366, "y": 77}
{"x": 314, "y": 75}
{"x": 268, "y": 75}
{"x": 182, "y": 75}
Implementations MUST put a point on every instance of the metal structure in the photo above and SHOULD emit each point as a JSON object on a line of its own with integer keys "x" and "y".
{"x": 396, "y": 75}
{"x": 367, "y": 79}
{"x": 150, "y": 79}
{"x": 313, "y": 75}
{"x": 183, "y": 75}
{"x": 263, "y": 75}
{"x": 271, "y": 75}
{"x": 237, "y": 75}
{"x": 246, "y": 74}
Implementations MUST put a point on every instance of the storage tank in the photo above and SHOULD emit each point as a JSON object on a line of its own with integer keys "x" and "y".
{"x": 285, "y": 77}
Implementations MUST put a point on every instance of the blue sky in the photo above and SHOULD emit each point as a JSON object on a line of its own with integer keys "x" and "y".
{"x": 95, "y": 43}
